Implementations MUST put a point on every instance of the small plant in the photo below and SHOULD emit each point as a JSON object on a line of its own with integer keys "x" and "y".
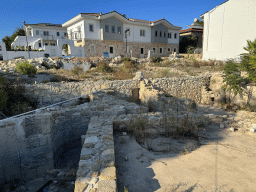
{"x": 44, "y": 64}
{"x": 45, "y": 81}
{"x": 26, "y": 68}
{"x": 125, "y": 189}
{"x": 195, "y": 63}
{"x": 77, "y": 70}
{"x": 125, "y": 59}
{"x": 102, "y": 67}
{"x": 156, "y": 59}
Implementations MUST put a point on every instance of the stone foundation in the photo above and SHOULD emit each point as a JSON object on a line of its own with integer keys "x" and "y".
{"x": 120, "y": 47}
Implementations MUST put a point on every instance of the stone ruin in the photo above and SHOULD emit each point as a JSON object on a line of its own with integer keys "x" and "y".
{"x": 33, "y": 143}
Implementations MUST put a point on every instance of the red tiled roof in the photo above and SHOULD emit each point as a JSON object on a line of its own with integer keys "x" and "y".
{"x": 190, "y": 29}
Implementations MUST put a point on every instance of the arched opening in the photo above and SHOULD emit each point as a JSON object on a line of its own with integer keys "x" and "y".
{"x": 66, "y": 50}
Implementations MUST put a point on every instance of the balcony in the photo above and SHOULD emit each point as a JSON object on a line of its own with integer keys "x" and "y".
{"x": 76, "y": 35}
{"x": 47, "y": 37}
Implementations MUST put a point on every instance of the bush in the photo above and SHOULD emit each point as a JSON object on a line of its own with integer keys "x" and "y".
{"x": 44, "y": 64}
{"x": 77, "y": 70}
{"x": 3, "y": 98}
{"x": 129, "y": 66}
{"x": 156, "y": 59}
{"x": 122, "y": 74}
{"x": 102, "y": 67}
{"x": 125, "y": 59}
{"x": 26, "y": 68}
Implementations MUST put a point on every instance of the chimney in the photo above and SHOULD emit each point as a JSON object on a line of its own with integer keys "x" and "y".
{"x": 124, "y": 15}
{"x": 100, "y": 13}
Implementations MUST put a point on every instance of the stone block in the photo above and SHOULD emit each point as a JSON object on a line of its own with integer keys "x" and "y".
{"x": 85, "y": 163}
{"x": 107, "y": 186}
{"x": 108, "y": 173}
{"x": 253, "y": 130}
{"x": 80, "y": 185}
{"x": 82, "y": 171}
{"x": 94, "y": 174}
{"x": 90, "y": 142}
{"x": 98, "y": 146}
{"x": 87, "y": 153}
{"x": 95, "y": 166}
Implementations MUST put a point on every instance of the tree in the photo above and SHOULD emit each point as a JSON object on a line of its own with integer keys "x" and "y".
{"x": 188, "y": 42}
{"x": 248, "y": 62}
{"x": 232, "y": 79}
{"x": 200, "y": 23}
{"x": 8, "y": 40}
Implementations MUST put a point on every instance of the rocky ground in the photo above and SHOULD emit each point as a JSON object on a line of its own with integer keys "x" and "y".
{"x": 224, "y": 160}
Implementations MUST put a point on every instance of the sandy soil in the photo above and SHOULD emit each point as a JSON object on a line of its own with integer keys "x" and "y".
{"x": 225, "y": 161}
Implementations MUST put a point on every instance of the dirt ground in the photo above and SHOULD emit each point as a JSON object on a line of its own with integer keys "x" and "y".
{"x": 224, "y": 162}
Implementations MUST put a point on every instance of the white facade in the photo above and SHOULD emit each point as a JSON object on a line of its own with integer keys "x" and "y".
{"x": 226, "y": 29}
{"x": 135, "y": 26}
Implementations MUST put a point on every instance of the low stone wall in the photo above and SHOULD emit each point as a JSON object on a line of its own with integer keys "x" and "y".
{"x": 97, "y": 161}
{"x": 53, "y": 92}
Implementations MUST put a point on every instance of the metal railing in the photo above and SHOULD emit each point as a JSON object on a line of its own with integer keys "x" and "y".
{"x": 47, "y": 37}
{"x": 33, "y": 111}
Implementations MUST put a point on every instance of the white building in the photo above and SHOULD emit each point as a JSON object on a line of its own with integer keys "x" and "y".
{"x": 226, "y": 29}
{"x": 99, "y": 33}
{"x": 41, "y": 40}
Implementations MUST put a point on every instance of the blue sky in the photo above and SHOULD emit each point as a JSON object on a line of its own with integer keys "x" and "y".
{"x": 177, "y": 12}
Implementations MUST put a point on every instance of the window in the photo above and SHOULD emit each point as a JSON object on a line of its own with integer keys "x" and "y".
{"x": 46, "y": 33}
{"x": 128, "y": 32}
{"x": 107, "y": 28}
{"x": 164, "y": 34}
{"x": 58, "y": 33}
{"x": 113, "y": 29}
{"x": 161, "y": 50}
{"x": 37, "y": 32}
{"x": 156, "y": 33}
{"x": 154, "y": 49}
{"x": 175, "y": 36}
{"x": 53, "y": 44}
{"x": 170, "y": 35}
{"x": 119, "y": 30}
{"x": 160, "y": 33}
{"x": 40, "y": 45}
{"x": 142, "y": 32}
{"x": 0, "y": 48}
{"x": 169, "y": 49}
{"x": 65, "y": 34}
{"x": 79, "y": 29}
{"x": 111, "y": 50}
{"x": 91, "y": 27}
{"x": 92, "y": 48}
{"x": 46, "y": 44}
{"x": 174, "y": 50}
{"x": 141, "y": 51}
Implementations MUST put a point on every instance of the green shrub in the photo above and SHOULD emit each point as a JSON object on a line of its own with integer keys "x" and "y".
{"x": 156, "y": 59}
{"x": 77, "y": 70}
{"x": 102, "y": 67}
{"x": 26, "y": 68}
{"x": 129, "y": 66}
{"x": 44, "y": 64}
{"x": 3, "y": 98}
{"x": 125, "y": 59}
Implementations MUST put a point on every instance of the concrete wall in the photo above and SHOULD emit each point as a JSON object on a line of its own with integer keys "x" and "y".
{"x": 225, "y": 33}
{"x": 157, "y": 39}
{"x": 136, "y": 34}
{"x": 96, "y": 29}
{"x": 111, "y": 21}
{"x": 52, "y": 32}
{"x": 173, "y": 40}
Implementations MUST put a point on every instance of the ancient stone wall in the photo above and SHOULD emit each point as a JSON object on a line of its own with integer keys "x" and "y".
{"x": 53, "y": 92}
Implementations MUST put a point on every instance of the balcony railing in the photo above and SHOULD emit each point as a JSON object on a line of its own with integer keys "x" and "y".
{"x": 76, "y": 35}
{"x": 47, "y": 37}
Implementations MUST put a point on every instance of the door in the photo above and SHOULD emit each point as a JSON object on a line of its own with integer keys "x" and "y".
{"x": 141, "y": 52}
{"x": 111, "y": 52}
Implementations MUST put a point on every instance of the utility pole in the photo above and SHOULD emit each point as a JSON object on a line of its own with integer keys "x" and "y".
{"x": 26, "y": 39}
{"x": 126, "y": 41}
